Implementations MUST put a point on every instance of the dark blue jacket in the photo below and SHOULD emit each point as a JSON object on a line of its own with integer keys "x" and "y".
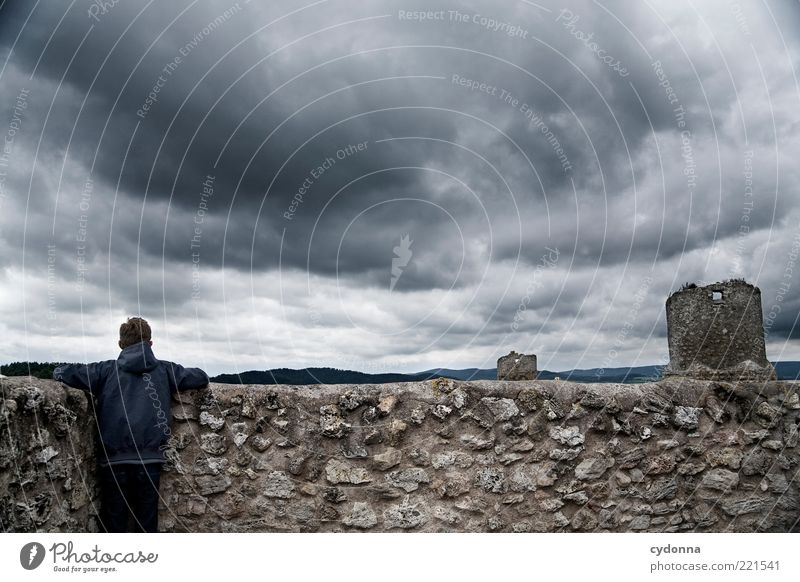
{"x": 132, "y": 397}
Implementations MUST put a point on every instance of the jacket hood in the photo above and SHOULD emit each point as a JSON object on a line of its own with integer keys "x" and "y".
{"x": 137, "y": 359}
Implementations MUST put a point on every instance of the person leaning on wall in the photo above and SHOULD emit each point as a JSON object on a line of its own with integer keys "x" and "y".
{"x": 131, "y": 399}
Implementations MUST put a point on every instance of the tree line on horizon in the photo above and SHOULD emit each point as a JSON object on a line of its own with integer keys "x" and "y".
{"x": 306, "y": 376}
{"x": 35, "y": 369}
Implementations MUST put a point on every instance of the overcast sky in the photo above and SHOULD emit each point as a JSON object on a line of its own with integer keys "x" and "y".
{"x": 392, "y": 186}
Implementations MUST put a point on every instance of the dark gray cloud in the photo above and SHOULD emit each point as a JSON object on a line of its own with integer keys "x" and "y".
{"x": 489, "y": 137}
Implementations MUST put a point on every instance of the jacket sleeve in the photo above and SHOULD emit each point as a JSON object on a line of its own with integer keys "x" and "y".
{"x": 87, "y": 377}
{"x": 181, "y": 378}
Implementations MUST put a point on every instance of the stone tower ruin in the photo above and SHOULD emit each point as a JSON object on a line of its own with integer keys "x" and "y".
{"x": 516, "y": 366}
{"x": 716, "y": 332}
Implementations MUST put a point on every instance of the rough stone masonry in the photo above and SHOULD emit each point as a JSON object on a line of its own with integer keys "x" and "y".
{"x": 716, "y": 332}
{"x": 516, "y": 366}
{"x": 485, "y": 456}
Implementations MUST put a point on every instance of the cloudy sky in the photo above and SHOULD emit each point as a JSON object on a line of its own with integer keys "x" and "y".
{"x": 392, "y": 186}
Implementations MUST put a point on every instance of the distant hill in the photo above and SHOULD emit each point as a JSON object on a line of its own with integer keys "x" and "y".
{"x": 785, "y": 371}
{"x": 630, "y": 375}
{"x": 336, "y": 376}
{"x": 35, "y": 369}
{"x": 623, "y": 375}
{"x": 465, "y": 374}
{"x": 316, "y": 376}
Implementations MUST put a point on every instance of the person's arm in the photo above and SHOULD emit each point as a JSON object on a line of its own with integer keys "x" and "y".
{"x": 181, "y": 378}
{"x": 83, "y": 376}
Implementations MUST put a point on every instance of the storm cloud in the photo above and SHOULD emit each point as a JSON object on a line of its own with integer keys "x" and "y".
{"x": 392, "y": 185}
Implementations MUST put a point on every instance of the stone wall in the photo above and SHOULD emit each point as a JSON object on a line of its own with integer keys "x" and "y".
{"x": 530, "y": 456}
{"x": 516, "y": 366}
{"x": 46, "y": 457}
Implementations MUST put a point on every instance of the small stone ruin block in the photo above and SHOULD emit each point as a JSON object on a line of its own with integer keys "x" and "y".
{"x": 516, "y": 366}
